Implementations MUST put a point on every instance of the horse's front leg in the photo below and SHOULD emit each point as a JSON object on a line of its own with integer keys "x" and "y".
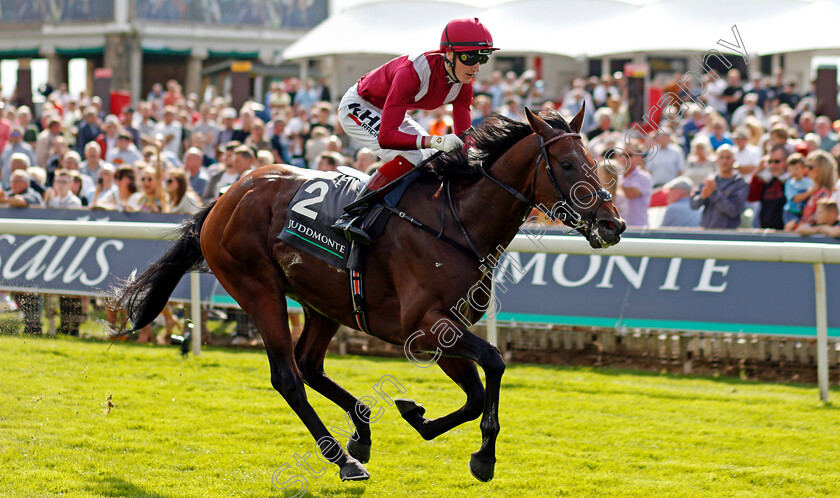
{"x": 465, "y": 374}
{"x": 441, "y": 336}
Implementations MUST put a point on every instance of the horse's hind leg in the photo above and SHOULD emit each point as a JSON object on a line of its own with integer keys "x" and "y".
{"x": 465, "y": 374}
{"x": 309, "y": 352}
{"x": 462, "y": 343}
{"x": 264, "y": 299}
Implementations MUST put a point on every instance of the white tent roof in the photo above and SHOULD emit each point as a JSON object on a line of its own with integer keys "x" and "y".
{"x": 579, "y": 29}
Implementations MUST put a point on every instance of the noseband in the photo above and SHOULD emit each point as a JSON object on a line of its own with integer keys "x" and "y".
{"x": 564, "y": 213}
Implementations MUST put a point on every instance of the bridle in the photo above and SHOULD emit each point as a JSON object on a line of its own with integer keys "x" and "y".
{"x": 562, "y": 210}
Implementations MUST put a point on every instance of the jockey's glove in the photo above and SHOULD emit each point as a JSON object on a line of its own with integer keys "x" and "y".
{"x": 446, "y": 143}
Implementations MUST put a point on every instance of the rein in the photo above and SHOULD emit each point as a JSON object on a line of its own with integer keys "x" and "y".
{"x": 568, "y": 215}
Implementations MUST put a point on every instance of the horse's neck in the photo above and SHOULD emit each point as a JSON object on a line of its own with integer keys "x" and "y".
{"x": 491, "y": 214}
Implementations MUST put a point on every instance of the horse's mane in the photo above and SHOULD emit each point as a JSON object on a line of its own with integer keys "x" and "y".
{"x": 486, "y": 143}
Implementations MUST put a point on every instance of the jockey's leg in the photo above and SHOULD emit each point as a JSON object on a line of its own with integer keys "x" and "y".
{"x": 384, "y": 176}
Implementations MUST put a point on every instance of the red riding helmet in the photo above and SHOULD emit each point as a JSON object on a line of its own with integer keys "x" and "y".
{"x": 466, "y": 34}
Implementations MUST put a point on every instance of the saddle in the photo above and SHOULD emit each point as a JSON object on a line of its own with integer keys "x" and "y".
{"x": 317, "y": 203}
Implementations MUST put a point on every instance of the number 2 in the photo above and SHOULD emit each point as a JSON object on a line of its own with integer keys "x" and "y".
{"x": 300, "y": 206}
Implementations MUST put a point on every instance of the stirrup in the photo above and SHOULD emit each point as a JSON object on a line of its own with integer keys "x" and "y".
{"x": 351, "y": 232}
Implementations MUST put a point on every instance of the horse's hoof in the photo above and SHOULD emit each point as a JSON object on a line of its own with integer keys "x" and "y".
{"x": 359, "y": 451}
{"x": 353, "y": 471}
{"x": 482, "y": 467}
{"x": 409, "y": 408}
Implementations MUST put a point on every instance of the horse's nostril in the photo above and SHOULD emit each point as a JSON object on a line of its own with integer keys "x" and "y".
{"x": 615, "y": 227}
{"x": 608, "y": 225}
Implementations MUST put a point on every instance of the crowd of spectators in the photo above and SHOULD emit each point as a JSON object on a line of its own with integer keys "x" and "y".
{"x": 739, "y": 154}
{"x": 744, "y": 154}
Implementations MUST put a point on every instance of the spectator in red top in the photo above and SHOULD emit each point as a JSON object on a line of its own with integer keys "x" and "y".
{"x": 373, "y": 111}
{"x": 768, "y": 187}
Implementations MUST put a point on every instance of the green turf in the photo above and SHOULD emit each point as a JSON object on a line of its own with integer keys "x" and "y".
{"x": 213, "y": 426}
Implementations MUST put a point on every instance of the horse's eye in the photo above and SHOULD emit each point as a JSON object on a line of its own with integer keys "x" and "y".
{"x": 566, "y": 165}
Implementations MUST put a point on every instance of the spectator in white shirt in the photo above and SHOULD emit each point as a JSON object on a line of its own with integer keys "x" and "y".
{"x": 668, "y": 162}
{"x": 747, "y": 156}
{"x": 60, "y": 196}
{"x": 749, "y": 108}
{"x": 171, "y": 130}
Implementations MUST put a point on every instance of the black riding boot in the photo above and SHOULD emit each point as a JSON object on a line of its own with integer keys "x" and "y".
{"x": 380, "y": 182}
{"x": 347, "y": 223}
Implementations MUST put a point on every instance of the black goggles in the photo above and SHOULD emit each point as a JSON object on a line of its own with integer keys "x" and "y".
{"x": 475, "y": 56}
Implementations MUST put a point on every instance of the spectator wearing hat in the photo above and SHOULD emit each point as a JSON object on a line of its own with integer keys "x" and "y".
{"x": 723, "y": 196}
{"x": 125, "y": 152}
{"x": 679, "y": 212}
{"x": 14, "y": 146}
{"x": 89, "y": 129}
{"x": 767, "y": 187}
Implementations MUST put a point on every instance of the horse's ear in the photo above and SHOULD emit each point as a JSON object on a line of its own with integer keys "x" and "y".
{"x": 577, "y": 122}
{"x": 538, "y": 124}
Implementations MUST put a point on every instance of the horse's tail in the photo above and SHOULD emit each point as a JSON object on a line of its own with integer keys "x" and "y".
{"x": 145, "y": 296}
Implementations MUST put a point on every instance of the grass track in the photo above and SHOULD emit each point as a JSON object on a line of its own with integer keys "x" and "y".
{"x": 213, "y": 426}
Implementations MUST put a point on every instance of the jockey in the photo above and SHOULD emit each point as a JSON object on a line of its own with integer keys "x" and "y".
{"x": 373, "y": 111}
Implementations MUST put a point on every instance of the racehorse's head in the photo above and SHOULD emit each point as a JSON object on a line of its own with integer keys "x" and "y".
{"x": 572, "y": 191}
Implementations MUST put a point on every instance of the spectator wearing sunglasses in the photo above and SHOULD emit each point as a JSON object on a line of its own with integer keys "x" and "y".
{"x": 821, "y": 167}
{"x": 373, "y": 111}
{"x": 767, "y": 188}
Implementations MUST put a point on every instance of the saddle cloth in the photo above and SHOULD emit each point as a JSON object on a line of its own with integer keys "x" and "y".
{"x": 319, "y": 202}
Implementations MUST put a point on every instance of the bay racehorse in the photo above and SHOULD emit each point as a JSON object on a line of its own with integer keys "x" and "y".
{"x": 414, "y": 281}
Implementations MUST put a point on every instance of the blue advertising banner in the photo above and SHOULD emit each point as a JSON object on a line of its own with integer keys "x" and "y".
{"x": 673, "y": 294}
{"x": 602, "y": 291}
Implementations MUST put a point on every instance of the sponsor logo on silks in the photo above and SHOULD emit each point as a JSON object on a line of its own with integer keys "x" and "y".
{"x": 366, "y": 119}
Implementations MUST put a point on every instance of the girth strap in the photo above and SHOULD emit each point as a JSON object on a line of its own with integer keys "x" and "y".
{"x": 357, "y": 293}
